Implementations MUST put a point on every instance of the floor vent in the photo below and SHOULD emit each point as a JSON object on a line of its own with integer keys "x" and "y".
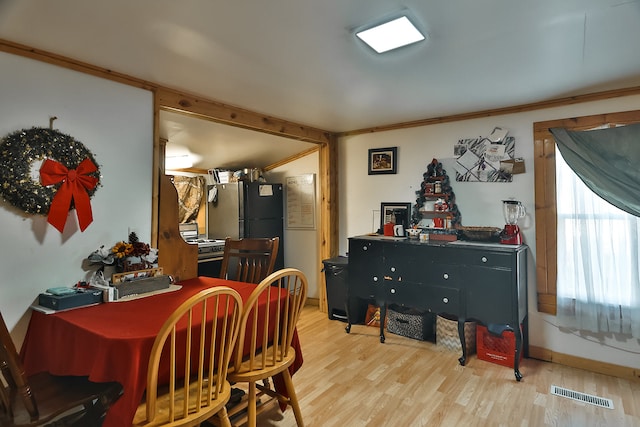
{"x": 582, "y": 397}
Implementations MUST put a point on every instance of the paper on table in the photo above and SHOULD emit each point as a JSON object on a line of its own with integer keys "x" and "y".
{"x": 47, "y": 310}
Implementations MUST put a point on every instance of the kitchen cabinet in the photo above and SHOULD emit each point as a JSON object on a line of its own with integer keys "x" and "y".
{"x": 484, "y": 282}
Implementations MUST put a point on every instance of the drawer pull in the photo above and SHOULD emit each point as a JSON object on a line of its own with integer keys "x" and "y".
{"x": 364, "y": 248}
{"x": 393, "y": 291}
{"x": 393, "y": 269}
{"x": 375, "y": 278}
{"x": 445, "y": 300}
{"x": 445, "y": 275}
{"x": 484, "y": 259}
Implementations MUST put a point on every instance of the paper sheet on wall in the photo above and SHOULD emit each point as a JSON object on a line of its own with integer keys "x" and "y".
{"x": 265, "y": 190}
{"x": 301, "y": 201}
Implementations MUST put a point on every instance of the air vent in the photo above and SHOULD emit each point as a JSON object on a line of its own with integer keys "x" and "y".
{"x": 582, "y": 397}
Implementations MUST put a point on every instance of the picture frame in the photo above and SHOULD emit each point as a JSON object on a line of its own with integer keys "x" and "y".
{"x": 394, "y": 211}
{"x": 383, "y": 160}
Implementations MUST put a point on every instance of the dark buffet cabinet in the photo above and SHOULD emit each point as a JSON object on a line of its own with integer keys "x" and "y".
{"x": 484, "y": 282}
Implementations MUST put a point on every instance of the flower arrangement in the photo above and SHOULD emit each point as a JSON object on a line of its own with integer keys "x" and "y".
{"x": 126, "y": 256}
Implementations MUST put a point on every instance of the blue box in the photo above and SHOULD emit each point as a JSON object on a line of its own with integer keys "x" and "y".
{"x": 63, "y": 302}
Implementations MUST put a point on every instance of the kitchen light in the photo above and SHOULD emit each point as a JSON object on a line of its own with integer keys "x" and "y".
{"x": 178, "y": 162}
{"x": 391, "y": 35}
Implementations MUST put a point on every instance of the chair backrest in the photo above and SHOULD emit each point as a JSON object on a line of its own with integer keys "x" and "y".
{"x": 197, "y": 357}
{"x": 249, "y": 260}
{"x": 14, "y": 375}
{"x": 273, "y": 326}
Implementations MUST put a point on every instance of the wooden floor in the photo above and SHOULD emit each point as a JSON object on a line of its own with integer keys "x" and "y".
{"x": 351, "y": 380}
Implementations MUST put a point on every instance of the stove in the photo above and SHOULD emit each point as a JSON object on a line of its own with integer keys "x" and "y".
{"x": 207, "y": 248}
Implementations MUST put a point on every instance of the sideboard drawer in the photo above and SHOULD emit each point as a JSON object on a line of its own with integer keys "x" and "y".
{"x": 475, "y": 258}
{"x": 435, "y": 299}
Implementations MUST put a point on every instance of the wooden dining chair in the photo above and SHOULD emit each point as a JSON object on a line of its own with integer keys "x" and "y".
{"x": 186, "y": 378}
{"x": 42, "y": 398}
{"x": 264, "y": 344}
{"x": 249, "y": 260}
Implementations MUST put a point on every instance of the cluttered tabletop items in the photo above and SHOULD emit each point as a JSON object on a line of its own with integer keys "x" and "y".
{"x": 124, "y": 287}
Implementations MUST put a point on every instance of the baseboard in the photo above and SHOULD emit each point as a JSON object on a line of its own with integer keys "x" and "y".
{"x": 312, "y": 302}
{"x": 617, "y": 371}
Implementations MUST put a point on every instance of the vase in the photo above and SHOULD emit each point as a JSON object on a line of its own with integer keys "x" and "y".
{"x": 109, "y": 271}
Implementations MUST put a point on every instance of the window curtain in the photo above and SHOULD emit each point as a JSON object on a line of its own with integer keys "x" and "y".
{"x": 598, "y": 284}
{"x": 606, "y": 160}
{"x": 190, "y": 192}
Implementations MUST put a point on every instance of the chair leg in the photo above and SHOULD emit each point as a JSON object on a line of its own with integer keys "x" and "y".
{"x": 252, "y": 405}
{"x": 224, "y": 417}
{"x": 293, "y": 398}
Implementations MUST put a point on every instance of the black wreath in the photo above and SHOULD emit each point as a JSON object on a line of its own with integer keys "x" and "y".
{"x": 19, "y": 151}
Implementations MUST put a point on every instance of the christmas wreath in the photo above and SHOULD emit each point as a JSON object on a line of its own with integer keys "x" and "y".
{"x": 43, "y": 171}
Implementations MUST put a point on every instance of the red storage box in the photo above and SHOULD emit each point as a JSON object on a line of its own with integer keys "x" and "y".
{"x": 500, "y": 350}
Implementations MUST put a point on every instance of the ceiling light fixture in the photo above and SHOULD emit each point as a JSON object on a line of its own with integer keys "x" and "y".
{"x": 178, "y": 162}
{"x": 391, "y": 35}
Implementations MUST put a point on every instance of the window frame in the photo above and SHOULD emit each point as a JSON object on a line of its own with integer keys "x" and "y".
{"x": 545, "y": 196}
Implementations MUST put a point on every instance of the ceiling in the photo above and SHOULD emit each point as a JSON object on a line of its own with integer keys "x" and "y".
{"x": 298, "y": 60}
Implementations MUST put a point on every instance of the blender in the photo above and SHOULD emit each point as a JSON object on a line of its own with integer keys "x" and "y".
{"x": 513, "y": 211}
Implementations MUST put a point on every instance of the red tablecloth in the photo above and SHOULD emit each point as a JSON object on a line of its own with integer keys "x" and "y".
{"x": 112, "y": 342}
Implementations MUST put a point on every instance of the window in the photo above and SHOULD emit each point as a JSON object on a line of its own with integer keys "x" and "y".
{"x": 548, "y": 213}
{"x": 598, "y": 251}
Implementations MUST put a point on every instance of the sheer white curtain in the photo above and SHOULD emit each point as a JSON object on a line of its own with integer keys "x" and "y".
{"x": 598, "y": 281}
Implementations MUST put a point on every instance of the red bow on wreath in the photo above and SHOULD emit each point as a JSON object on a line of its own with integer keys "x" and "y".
{"x": 75, "y": 185}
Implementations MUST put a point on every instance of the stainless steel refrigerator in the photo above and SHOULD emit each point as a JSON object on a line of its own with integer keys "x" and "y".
{"x": 247, "y": 209}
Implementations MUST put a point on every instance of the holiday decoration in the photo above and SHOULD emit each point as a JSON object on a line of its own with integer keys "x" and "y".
{"x": 67, "y": 179}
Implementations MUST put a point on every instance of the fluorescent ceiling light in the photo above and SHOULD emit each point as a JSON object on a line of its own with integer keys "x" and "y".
{"x": 391, "y": 35}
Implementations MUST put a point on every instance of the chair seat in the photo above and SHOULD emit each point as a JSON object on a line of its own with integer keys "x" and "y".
{"x": 163, "y": 403}
{"x": 246, "y": 374}
{"x": 57, "y": 395}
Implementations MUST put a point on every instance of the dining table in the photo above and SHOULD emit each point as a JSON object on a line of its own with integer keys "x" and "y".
{"x": 112, "y": 341}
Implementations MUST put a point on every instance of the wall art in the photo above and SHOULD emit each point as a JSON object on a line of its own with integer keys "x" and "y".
{"x": 479, "y": 159}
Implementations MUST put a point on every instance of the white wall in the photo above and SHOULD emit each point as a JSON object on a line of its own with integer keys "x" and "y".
{"x": 115, "y": 122}
{"x": 301, "y": 245}
{"x": 479, "y": 203}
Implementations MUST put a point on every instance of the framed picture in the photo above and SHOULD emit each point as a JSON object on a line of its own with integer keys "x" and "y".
{"x": 383, "y": 160}
{"x": 398, "y": 213}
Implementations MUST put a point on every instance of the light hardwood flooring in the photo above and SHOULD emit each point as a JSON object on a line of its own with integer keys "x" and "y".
{"x": 352, "y": 380}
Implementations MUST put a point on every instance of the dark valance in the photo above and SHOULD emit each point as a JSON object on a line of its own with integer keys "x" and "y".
{"x": 607, "y": 161}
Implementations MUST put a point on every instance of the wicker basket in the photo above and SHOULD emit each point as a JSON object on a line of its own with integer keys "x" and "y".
{"x": 411, "y": 323}
{"x": 448, "y": 338}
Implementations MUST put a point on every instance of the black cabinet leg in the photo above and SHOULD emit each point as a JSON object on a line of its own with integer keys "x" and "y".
{"x": 383, "y": 318}
{"x": 347, "y": 303}
{"x": 463, "y": 358}
{"x": 516, "y": 363}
